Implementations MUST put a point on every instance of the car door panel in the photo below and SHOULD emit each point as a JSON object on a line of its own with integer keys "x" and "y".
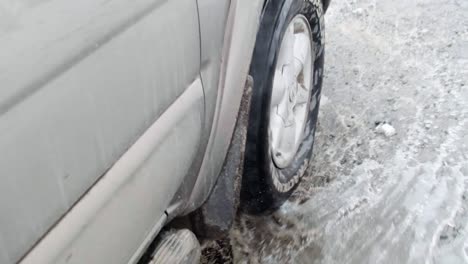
{"x": 81, "y": 82}
{"x": 120, "y": 215}
{"x": 213, "y": 16}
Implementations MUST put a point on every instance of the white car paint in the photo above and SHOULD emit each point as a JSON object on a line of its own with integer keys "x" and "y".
{"x": 103, "y": 116}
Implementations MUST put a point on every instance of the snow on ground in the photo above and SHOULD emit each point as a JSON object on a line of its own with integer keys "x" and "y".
{"x": 389, "y": 181}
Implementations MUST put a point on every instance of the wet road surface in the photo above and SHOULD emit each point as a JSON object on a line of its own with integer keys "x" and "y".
{"x": 374, "y": 195}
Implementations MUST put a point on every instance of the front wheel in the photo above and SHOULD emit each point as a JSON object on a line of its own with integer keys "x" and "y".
{"x": 287, "y": 68}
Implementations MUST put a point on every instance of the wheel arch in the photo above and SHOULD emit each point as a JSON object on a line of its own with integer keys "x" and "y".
{"x": 325, "y": 3}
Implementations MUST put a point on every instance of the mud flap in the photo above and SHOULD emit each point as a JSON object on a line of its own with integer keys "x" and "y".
{"x": 215, "y": 217}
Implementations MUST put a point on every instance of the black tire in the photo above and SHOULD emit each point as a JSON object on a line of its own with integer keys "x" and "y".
{"x": 264, "y": 185}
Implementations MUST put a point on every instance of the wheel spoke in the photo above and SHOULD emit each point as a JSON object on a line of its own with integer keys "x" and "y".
{"x": 288, "y": 138}
{"x": 289, "y": 42}
{"x": 282, "y": 110}
{"x": 276, "y": 130}
{"x": 286, "y": 55}
{"x": 279, "y": 89}
{"x": 302, "y": 95}
{"x": 301, "y": 51}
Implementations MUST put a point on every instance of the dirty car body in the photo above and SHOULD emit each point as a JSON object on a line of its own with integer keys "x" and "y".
{"x": 115, "y": 117}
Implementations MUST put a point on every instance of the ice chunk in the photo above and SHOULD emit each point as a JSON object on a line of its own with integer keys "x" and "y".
{"x": 386, "y": 129}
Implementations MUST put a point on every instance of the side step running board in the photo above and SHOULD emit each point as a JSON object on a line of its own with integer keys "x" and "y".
{"x": 177, "y": 247}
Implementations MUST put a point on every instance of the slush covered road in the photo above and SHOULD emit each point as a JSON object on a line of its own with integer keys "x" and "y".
{"x": 389, "y": 178}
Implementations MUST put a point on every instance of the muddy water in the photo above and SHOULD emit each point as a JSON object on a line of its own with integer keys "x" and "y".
{"x": 371, "y": 197}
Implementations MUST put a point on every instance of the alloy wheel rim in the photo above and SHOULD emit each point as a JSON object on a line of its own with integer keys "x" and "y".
{"x": 292, "y": 86}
